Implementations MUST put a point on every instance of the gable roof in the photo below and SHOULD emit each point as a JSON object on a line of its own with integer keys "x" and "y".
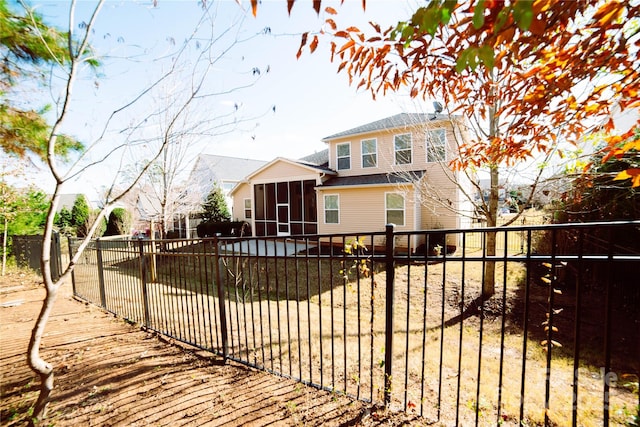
{"x": 319, "y": 169}
{"x": 401, "y": 120}
{"x": 211, "y": 168}
{"x": 312, "y": 167}
{"x": 375, "y": 179}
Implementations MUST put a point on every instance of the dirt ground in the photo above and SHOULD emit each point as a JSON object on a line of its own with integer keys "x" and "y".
{"x": 110, "y": 373}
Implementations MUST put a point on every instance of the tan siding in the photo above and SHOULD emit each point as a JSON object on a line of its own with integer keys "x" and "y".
{"x": 242, "y": 192}
{"x": 385, "y": 149}
{"x": 363, "y": 209}
{"x": 283, "y": 171}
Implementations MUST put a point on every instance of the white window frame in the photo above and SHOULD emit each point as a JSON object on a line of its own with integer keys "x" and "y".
{"x": 248, "y": 209}
{"x": 374, "y": 154}
{"x": 396, "y": 151}
{"x": 338, "y": 157}
{"x": 337, "y": 196}
{"x": 387, "y": 209}
{"x": 436, "y": 143}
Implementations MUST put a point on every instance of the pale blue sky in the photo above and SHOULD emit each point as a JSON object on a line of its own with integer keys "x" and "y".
{"x": 311, "y": 100}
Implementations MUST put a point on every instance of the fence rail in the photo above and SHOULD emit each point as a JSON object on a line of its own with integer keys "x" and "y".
{"x": 404, "y": 325}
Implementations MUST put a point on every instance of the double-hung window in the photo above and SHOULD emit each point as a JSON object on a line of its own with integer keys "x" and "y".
{"x": 247, "y": 208}
{"x": 369, "y": 153}
{"x": 436, "y": 145}
{"x": 343, "y": 155}
{"x": 402, "y": 148}
{"x": 331, "y": 209}
{"x": 394, "y": 206}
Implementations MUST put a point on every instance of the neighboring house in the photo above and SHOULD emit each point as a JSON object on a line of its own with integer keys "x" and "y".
{"x": 208, "y": 171}
{"x": 226, "y": 172}
{"x": 369, "y": 176}
{"x": 68, "y": 200}
{"x": 147, "y": 209}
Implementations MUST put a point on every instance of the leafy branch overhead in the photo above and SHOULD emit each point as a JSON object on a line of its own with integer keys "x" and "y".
{"x": 547, "y": 71}
{"x": 26, "y": 44}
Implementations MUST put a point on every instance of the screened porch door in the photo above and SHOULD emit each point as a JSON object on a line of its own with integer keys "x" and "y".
{"x": 283, "y": 219}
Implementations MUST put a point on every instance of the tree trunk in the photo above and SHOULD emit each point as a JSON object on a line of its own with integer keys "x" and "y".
{"x": 488, "y": 284}
{"x": 37, "y": 364}
{"x": 4, "y": 245}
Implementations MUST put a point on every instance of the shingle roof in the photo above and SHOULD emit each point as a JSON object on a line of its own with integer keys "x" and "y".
{"x": 320, "y": 158}
{"x": 322, "y": 168}
{"x": 374, "y": 179}
{"x": 225, "y": 168}
{"x": 401, "y": 120}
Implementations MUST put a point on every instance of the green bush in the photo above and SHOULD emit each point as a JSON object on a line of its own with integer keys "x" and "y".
{"x": 119, "y": 222}
{"x": 215, "y": 207}
{"x": 80, "y": 216}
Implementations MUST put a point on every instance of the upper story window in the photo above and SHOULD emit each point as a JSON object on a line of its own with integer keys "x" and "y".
{"x": 402, "y": 148}
{"x": 436, "y": 145}
{"x": 331, "y": 209}
{"x": 369, "y": 153}
{"x": 343, "y": 155}
{"x": 394, "y": 207}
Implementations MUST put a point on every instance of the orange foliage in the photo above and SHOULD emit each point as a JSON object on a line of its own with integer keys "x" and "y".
{"x": 515, "y": 64}
{"x": 518, "y": 64}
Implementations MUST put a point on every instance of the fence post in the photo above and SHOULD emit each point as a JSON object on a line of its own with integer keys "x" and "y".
{"x": 143, "y": 279}
{"x": 73, "y": 272}
{"x": 221, "y": 307}
{"x": 388, "y": 346}
{"x": 56, "y": 256}
{"x": 103, "y": 295}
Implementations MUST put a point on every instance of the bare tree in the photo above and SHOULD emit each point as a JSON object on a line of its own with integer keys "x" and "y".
{"x": 163, "y": 186}
{"x": 117, "y": 144}
{"x": 442, "y": 136}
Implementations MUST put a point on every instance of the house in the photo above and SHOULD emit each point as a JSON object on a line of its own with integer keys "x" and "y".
{"x": 393, "y": 170}
{"x": 208, "y": 171}
{"x": 224, "y": 171}
{"x": 183, "y": 205}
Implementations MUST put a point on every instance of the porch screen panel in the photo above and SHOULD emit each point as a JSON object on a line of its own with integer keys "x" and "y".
{"x": 310, "y": 204}
{"x": 295, "y": 202}
{"x": 272, "y": 228}
{"x": 300, "y": 196}
{"x": 283, "y": 192}
{"x": 259, "y": 201}
{"x": 270, "y": 202}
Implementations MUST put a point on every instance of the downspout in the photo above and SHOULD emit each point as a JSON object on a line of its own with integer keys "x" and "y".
{"x": 417, "y": 221}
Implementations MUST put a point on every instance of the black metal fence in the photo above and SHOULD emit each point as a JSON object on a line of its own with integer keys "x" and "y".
{"x": 27, "y": 250}
{"x": 398, "y": 318}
